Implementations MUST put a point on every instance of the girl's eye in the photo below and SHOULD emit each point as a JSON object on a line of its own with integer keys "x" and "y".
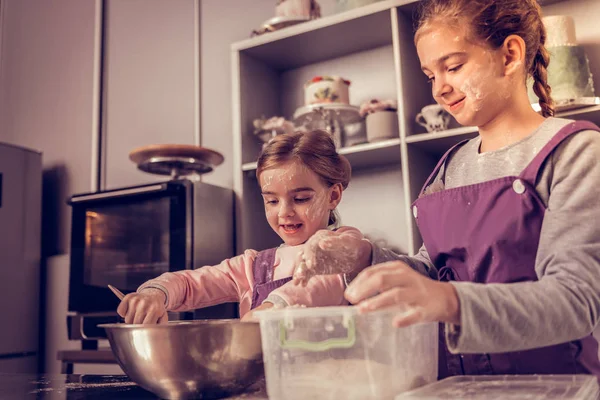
{"x": 271, "y": 201}
{"x": 430, "y": 79}
{"x": 302, "y": 200}
{"x": 454, "y": 69}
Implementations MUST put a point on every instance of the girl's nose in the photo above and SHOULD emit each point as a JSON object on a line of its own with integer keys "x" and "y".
{"x": 286, "y": 209}
{"x": 440, "y": 87}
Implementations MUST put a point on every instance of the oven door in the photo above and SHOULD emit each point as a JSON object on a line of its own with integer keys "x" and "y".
{"x": 124, "y": 238}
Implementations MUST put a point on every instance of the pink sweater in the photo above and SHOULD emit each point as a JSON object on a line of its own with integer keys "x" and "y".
{"x": 233, "y": 281}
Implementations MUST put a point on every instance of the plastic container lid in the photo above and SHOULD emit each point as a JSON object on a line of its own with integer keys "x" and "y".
{"x": 316, "y": 312}
{"x": 509, "y": 387}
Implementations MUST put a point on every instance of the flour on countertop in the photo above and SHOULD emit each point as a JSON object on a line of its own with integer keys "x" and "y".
{"x": 83, "y": 386}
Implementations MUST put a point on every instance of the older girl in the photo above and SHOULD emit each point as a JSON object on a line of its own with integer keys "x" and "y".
{"x": 508, "y": 219}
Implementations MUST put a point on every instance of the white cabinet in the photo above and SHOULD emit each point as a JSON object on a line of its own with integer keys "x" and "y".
{"x": 20, "y": 233}
{"x": 372, "y": 46}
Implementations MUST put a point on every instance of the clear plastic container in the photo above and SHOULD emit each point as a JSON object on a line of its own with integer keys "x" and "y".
{"x": 509, "y": 387}
{"x": 337, "y": 353}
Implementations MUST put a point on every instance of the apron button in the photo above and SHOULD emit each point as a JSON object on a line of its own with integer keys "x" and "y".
{"x": 518, "y": 186}
{"x": 415, "y": 211}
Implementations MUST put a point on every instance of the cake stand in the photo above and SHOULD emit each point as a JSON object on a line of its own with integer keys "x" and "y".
{"x": 175, "y": 160}
{"x": 333, "y": 115}
{"x": 276, "y": 23}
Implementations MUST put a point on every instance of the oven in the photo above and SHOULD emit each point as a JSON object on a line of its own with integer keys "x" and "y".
{"x": 126, "y": 236}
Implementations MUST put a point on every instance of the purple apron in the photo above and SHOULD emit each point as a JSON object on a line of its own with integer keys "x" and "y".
{"x": 489, "y": 233}
{"x": 262, "y": 269}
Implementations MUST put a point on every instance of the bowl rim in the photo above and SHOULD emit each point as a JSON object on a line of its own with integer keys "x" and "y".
{"x": 178, "y": 324}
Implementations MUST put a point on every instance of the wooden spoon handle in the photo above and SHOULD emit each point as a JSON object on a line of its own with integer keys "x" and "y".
{"x": 116, "y": 291}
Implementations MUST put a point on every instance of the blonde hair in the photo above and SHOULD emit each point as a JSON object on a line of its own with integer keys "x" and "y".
{"x": 492, "y": 21}
{"x": 315, "y": 150}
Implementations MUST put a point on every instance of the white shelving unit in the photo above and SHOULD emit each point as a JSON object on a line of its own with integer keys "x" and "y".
{"x": 373, "y": 47}
{"x": 362, "y": 155}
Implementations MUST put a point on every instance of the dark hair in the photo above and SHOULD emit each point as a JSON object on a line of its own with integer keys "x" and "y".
{"x": 314, "y": 149}
{"x": 492, "y": 21}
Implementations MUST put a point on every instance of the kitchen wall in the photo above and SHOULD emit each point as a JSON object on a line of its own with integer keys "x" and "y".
{"x": 150, "y": 79}
{"x": 46, "y": 98}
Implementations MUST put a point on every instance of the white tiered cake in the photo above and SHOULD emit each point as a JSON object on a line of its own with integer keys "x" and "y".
{"x": 569, "y": 73}
{"x": 326, "y": 89}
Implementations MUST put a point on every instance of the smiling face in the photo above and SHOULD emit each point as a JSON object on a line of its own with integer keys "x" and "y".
{"x": 467, "y": 78}
{"x": 297, "y": 201}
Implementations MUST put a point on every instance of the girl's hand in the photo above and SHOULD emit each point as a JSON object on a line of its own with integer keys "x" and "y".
{"x": 251, "y": 317}
{"x": 395, "y": 284}
{"x": 328, "y": 252}
{"x": 145, "y": 307}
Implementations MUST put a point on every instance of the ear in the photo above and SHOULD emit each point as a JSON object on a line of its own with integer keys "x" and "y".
{"x": 513, "y": 52}
{"x": 335, "y": 196}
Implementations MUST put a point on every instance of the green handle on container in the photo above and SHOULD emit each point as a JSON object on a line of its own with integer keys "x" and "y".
{"x": 333, "y": 343}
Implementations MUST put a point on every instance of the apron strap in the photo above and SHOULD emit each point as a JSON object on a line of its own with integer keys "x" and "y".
{"x": 262, "y": 291}
{"x": 530, "y": 173}
{"x": 439, "y": 165}
{"x": 262, "y": 268}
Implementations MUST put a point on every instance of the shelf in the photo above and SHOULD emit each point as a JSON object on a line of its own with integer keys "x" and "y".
{"x": 362, "y": 28}
{"x": 374, "y": 154}
{"x": 440, "y": 142}
{"x": 562, "y": 106}
{"x": 337, "y": 35}
{"x": 591, "y": 113}
{"x": 387, "y": 151}
{"x": 366, "y": 155}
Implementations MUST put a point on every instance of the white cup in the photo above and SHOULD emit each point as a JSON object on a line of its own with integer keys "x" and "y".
{"x": 382, "y": 125}
{"x": 434, "y": 118}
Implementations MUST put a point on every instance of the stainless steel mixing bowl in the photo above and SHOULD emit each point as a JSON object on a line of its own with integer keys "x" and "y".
{"x": 189, "y": 359}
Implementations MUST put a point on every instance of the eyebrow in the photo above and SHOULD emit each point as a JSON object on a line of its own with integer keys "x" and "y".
{"x": 445, "y": 58}
{"x": 300, "y": 189}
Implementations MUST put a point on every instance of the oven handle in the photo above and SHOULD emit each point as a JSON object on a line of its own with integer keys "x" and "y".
{"x": 117, "y": 193}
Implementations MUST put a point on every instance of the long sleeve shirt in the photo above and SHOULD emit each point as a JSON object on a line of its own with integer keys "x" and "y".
{"x": 564, "y": 304}
{"x": 233, "y": 281}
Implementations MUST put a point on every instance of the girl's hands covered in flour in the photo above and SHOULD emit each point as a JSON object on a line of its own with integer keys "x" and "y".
{"x": 344, "y": 251}
{"x": 395, "y": 284}
{"x": 145, "y": 307}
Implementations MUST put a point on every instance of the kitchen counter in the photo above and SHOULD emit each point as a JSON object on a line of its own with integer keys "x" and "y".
{"x": 62, "y": 386}
{"x": 55, "y": 386}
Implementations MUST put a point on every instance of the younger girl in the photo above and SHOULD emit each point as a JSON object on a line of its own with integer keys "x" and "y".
{"x": 302, "y": 178}
{"x": 508, "y": 219}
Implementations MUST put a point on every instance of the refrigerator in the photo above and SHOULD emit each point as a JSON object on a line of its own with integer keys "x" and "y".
{"x": 20, "y": 253}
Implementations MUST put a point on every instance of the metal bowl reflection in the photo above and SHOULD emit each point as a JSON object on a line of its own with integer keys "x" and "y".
{"x": 189, "y": 359}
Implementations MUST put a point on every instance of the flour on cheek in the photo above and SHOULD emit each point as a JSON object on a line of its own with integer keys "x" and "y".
{"x": 271, "y": 212}
{"x": 474, "y": 87}
{"x": 317, "y": 207}
{"x": 484, "y": 82}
